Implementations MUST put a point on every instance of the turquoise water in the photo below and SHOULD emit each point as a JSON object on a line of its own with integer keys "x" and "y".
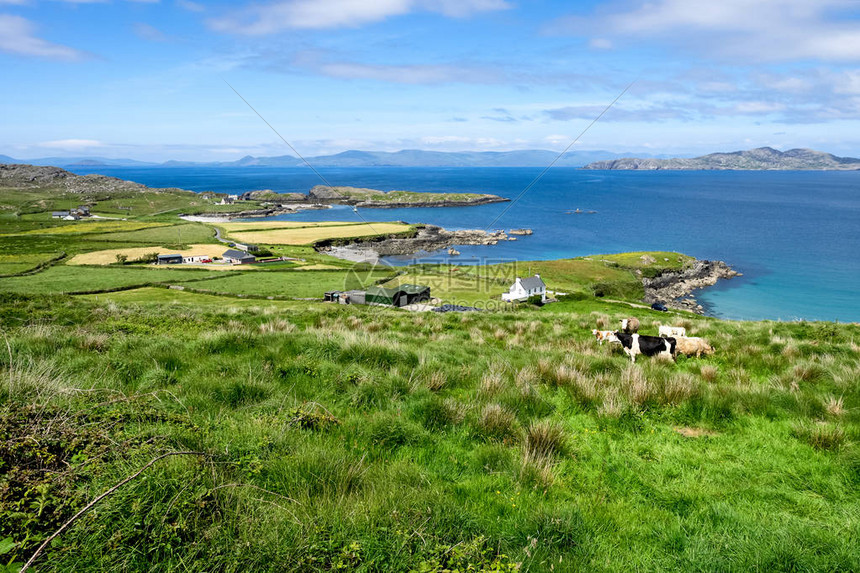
{"x": 794, "y": 235}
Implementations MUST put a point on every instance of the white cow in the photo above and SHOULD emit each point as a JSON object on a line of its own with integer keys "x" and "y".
{"x": 673, "y": 331}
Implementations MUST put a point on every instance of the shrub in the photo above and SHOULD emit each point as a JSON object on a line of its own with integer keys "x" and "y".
{"x": 311, "y": 419}
{"x": 147, "y": 258}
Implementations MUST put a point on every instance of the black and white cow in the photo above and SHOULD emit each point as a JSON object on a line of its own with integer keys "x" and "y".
{"x": 648, "y": 345}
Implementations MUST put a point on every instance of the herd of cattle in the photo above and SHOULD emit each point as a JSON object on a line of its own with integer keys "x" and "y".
{"x": 671, "y": 341}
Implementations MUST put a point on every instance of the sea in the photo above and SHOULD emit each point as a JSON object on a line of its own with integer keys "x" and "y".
{"x": 795, "y": 235}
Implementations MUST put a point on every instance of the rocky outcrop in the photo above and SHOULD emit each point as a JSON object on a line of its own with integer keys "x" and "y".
{"x": 763, "y": 158}
{"x": 674, "y": 288}
{"x": 19, "y": 176}
{"x": 428, "y": 239}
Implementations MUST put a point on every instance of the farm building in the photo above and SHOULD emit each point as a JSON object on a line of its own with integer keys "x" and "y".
{"x": 398, "y": 296}
{"x": 237, "y": 257}
{"x": 169, "y": 259}
{"x": 247, "y": 247}
{"x": 524, "y": 288}
{"x": 59, "y": 214}
{"x": 346, "y": 297}
{"x": 197, "y": 259}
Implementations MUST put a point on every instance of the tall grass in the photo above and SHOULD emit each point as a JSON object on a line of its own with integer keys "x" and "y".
{"x": 366, "y": 439}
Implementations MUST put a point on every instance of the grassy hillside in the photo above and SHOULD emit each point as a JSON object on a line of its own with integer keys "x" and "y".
{"x": 358, "y": 438}
{"x": 292, "y": 435}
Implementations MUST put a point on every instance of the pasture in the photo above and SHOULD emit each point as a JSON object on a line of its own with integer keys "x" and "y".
{"x": 330, "y": 437}
{"x": 15, "y": 264}
{"x": 271, "y": 225}
{"x": 84, "y": 227}
{"x": 71, "y": 279}
{"x": 108, "y": 256}
{"x": 294, "y": 283}
{"x": 310, "y": 235}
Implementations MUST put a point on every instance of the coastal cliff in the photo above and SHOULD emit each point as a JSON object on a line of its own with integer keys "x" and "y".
{"x": 674, "y": 289}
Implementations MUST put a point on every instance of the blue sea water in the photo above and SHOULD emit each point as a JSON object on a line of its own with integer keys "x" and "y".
{"x": 795, "y": 235}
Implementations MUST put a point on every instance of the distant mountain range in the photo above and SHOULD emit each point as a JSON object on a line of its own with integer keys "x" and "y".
{"x": 405, "y": 158}
{"x": 763, "y": 158}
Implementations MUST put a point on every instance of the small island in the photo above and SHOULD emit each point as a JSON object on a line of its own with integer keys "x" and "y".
{"x": 394, "y": 199}
{"x": 761, "y": 159}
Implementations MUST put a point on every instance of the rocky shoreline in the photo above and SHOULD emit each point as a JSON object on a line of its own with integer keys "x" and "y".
{"x": 428, "y": 238}
{"x": 674, "y": 289}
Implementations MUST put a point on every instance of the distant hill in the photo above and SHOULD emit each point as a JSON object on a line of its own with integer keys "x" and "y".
{"x": 763, "y": 158}
{"x": 35, "y": 177}
{"x": 77, "y": 162}
{"x": 421, "y": 158}
{"x": 356, "y": 158}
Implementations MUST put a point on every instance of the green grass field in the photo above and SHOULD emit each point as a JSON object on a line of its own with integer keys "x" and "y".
{"x": 293, "y": 284}
{"x": 358, "y": 438}
{"x": 186, "y": 233}
{"x": 15, "y": 264}
{"x": 71, "y": 279}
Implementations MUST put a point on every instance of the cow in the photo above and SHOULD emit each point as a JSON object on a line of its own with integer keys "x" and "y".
{"x": 693, "y": 345}
{"x": 648, "y": 345}
{"x": 607, "y": 335}
{"x": 674, "y": 331}
{"x": 630, "y": 325}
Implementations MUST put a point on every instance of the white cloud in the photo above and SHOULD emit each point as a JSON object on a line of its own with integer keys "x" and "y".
{"x": 322, "y": 14}
{"x": 16, "y": 37}
{"x": 191, "y": 6}
{"x": 150, "y": 33}
{"x": 72, "y": 144}
{"x": 404, "y": 74}
{"x": 764, "y": 30}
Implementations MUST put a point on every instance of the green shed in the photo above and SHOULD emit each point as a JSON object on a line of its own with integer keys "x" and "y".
{"x": 400, "y": 295}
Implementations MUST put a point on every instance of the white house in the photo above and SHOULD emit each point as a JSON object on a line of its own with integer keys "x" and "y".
{"x": 237, "y": 257}
{"x": 524, "y": 288}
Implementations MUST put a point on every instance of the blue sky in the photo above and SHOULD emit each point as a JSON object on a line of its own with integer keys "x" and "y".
{"x": 146, "y": 79}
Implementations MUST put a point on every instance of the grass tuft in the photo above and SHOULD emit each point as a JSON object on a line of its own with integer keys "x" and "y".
{"x": 819, "y": 435}
{"x": 497, "y": 423}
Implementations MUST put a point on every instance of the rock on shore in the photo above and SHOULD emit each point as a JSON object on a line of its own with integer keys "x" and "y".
{"x": 674, "y": 288}
{"x": 429, "y": 238}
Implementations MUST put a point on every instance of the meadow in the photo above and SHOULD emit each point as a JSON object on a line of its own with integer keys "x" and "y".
{"x": 322, "y": 437}
{"x": 306, "y": 235}
{"x": 108, "y": 256}
{"x": 293, "y": 435}
{"x": 80, "y": 279}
